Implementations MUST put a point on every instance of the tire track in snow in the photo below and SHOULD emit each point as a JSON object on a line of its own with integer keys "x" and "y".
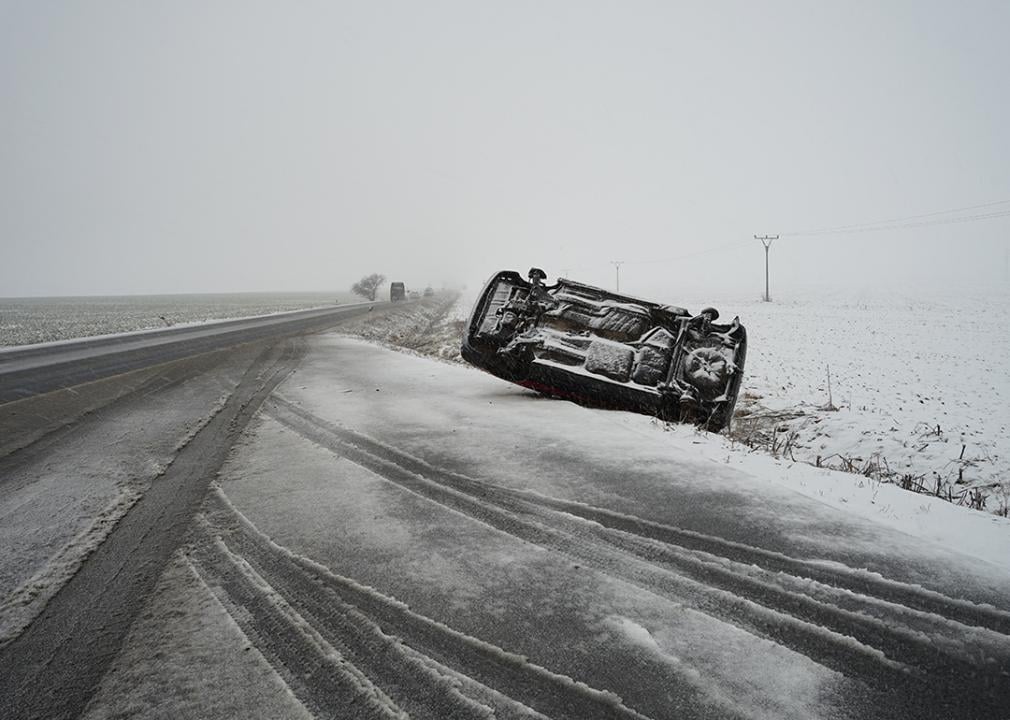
{"x": 788, "y": 607}
{"x": 317, "y": 673}
{"x": 358, "y": 620}
{"x": 505, "y": 708}
{"x": 324, "y": 620}
{"x": 859, "y": 582}
{"x": 53, "y": 668}
{"x": 36, "y": 433}
{"x": 484, "y": 504}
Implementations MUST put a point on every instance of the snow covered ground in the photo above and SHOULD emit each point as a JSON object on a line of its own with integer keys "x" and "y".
{"x": 399, "y": 536}
{"x": 925, "y": 516}
{"x": 432, "y": 326}
{"x": 919, "y": 387}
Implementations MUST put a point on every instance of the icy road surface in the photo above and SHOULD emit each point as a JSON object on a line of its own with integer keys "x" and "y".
{"x": 37, "y": 369}
{"x": 393, "y": 536}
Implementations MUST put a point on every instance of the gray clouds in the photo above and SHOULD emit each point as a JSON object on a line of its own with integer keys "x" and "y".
{"x": 227, "y": 146}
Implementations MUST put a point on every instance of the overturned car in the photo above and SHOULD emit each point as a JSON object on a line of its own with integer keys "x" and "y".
{"x": 598, "y": 348}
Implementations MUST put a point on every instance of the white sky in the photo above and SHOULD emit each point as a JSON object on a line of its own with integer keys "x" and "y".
{"x": 226, "y": 146}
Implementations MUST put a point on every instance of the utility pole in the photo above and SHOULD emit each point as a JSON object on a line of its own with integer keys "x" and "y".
{"x": 617, "y": 266}
{"x": 766, "y": 240}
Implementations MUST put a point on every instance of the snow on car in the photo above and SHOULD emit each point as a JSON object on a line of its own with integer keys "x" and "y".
{"x": 599, "y": 348}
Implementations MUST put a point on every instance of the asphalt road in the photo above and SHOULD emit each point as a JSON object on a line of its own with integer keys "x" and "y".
{"x": 35, "y": 370}
{"x": 52, "y": 668}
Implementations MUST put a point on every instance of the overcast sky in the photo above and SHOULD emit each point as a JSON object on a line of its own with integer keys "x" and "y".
{"x": 230, "y": 146}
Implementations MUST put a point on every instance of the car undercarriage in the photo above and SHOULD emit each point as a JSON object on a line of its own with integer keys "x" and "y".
{"x": 599, "y": 348}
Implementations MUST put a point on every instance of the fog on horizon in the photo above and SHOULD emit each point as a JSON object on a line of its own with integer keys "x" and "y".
{"x": 252, "y": 146}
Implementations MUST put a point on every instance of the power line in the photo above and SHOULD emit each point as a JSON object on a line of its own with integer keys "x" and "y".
{"x": 903, "y": 226}
{"x": 910, "y": 221}
{"x": 889, "y": 224}
{"x": 676, "y": 258}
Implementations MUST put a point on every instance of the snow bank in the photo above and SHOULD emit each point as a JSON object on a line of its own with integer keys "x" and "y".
{"x": 432, "y": 327}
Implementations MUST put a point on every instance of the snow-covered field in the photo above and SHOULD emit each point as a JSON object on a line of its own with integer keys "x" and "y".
{"x": 25, "y": 321}
{"x": 919, "y": 388}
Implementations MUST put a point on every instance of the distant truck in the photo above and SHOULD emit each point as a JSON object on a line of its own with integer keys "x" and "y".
{"x": 397, "y": 291}
{"x": 428, "y": 292}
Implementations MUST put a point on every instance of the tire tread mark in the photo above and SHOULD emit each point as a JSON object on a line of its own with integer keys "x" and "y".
{"x": 171, "y": 374}
{"x": 861, "y": 582}
{"x": 504, "y": 707}
{"x": 912, "y": 657}
{"x": 413, "y": 686}
{"x": 54, "y": 666}
{"x": 302, "y": 579}
{"x": 319, "y": 675}
{"x": 841, "y": 653}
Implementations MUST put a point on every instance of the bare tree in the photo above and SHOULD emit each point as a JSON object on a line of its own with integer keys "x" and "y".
{"x": 367, "y": 286}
